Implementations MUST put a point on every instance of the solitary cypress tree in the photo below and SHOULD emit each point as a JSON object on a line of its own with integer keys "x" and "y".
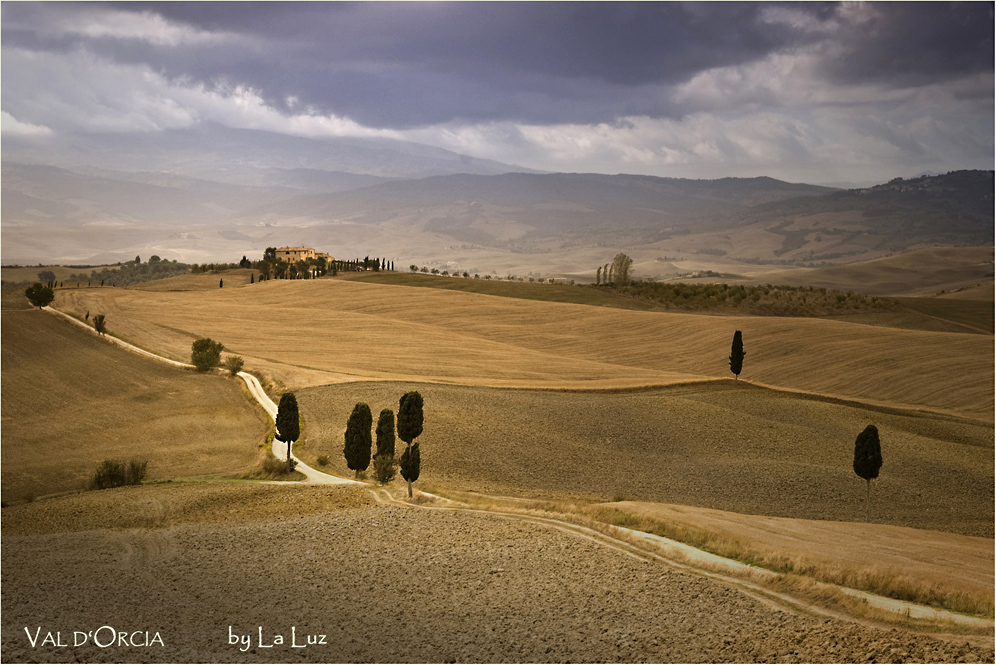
{"x": 358, "y": 441}
{"x": 737, "y": 354}
{"x": 867, "y": 461}
{"x": 410, "y": 421}
{"x": 221, "y": 283}
{"x": 288, "y": 426}
{"x": 598, "y": 276}
{"x": 252, "y": 278}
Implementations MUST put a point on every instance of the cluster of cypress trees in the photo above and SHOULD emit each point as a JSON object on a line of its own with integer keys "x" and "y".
{"x": 359, "y": 443}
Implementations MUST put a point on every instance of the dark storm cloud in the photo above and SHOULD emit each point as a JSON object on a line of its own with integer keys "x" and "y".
{"x": 404, "y": 65}
{"x": 916, "y": 43}
{"x": 411, "y": 64}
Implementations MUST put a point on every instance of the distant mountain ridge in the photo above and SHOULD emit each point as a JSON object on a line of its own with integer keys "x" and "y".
{"x": 955, "y": 208}
{"x": 465, "y": 206}
{"x": 240, "y": 200}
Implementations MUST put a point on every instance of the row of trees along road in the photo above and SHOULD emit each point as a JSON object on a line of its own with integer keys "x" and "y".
{"x": 358, "y": 442}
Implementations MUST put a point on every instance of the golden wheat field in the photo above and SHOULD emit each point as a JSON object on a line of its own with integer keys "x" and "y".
{"x": 71, "y": 400}
{"x": 317, "y": 332}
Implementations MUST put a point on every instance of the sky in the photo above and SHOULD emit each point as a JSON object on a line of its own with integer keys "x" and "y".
{"x": 805, "y": 92}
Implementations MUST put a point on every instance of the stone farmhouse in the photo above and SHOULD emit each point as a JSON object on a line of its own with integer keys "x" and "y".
{"x": 295, "y": 254}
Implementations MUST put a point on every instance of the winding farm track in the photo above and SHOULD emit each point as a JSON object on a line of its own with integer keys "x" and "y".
{"x": 664, "y": 550}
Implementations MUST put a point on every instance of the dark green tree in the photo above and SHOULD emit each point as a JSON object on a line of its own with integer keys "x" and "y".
{"x": 221, "y": 283}
{"x": 99, "y": 324}
{"x": 46, "y": 276}
{"x": 205, "y": 354}
{"x": 621, "y": 267}
{"x": 384, "y": 465}
{"x": 358, "y": 441}
{"x": 288, "y": 424}
{"x": 385, "y": 433}
{"x": 737, "y": 354}
{"x": 411, "y": 461}
{"x": 410, "y": 420}
{"x": 252, "y": 278}
{"x": 867, "y": 461}
{"x": 39, "y": 296}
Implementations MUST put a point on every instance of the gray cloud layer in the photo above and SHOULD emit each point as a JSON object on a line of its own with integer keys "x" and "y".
{"x": 510, "y": 69}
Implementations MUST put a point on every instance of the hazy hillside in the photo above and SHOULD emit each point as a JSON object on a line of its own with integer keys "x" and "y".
{"x": 223, "y": 203}
{"x": 36, "y": 194}
{"x": 951, "y": 209}
{"x": 513, "y": 208}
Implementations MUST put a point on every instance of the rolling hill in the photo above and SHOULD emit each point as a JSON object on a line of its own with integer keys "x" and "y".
{"x": 331, "y": 330}
{"x": 71, "y": 400}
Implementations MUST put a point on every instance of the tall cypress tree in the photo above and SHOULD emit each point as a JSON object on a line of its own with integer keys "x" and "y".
{"x": 288, "y": 425}
{"x": 410, "y": 420}
{"x": 867, "y": 461}
{"x": 358, "y": 440}
{"x": 411, "y": 462}
{"x": 737, "y": 354}
{"x": 385, "y": 433}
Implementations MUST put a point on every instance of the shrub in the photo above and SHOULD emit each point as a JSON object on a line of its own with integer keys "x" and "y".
{"x": 267, "y": 467}
{"x": 234, "y": 364}
{"x": 384, "y": 468}
{"x": 271, "y": 466}
{"x": 115, "y": 474}
{"x": 323, "y": 460}
{"x": 135, "y": 472}
{"x": 205, "y": 354}
{"x": 108, "y": 474}
{"x": 100, "y": 324}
